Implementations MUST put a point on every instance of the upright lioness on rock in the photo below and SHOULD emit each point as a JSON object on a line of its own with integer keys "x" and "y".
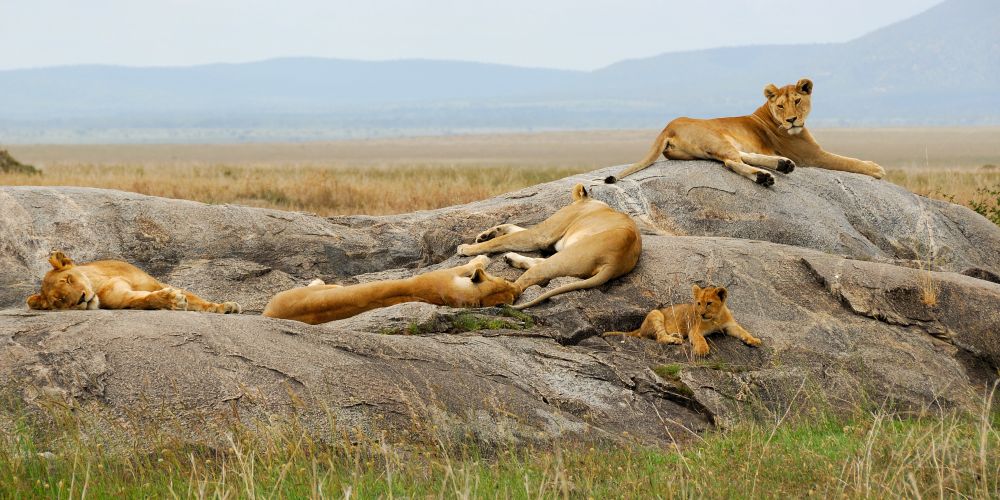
{"x": 773, "y": 137}
{"x": 592, "y": 241}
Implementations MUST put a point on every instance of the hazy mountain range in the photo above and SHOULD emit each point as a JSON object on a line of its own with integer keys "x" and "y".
{"x": 939, "y": 67}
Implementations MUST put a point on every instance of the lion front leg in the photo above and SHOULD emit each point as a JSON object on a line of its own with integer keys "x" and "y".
{"x": 117, "y": 293}
{"x": 196, "y": 303}
{"x": 831, "y": 161}
{"x": 735, "y": 330}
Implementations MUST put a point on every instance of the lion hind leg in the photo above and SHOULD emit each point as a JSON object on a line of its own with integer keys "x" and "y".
{"x": 779, "y": 163}
{"x": 760, "y": 176}
{"x": 499, "y": 230}
{"x": 656, "y": 327}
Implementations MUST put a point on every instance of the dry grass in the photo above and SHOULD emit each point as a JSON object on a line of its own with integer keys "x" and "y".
{"x": 321, "y": 190}
{"x": 871, "y": 454}
{"x": 401, "y": 175}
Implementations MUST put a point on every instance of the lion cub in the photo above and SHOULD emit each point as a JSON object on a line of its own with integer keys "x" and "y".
{"x": 708, "y": 314}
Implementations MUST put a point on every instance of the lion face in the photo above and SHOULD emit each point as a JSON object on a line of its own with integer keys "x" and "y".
{"x": 493, "y": 290}
{"x": 64, "y": 287}
{"x": 709, "y": 301}
{"x": 790, "y": 105}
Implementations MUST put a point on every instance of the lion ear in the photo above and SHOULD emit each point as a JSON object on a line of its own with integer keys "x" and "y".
{"x": 579, "y": 192}
{"x": 59, "y": 260}
{"x": 770, "y": 92}
{"x": 36, "y": 301}
{"x": 478, "y": 276}
{"x": 695, "y": 289}
{"x": 722, "y": 293}
{"x": 804, "y": 86}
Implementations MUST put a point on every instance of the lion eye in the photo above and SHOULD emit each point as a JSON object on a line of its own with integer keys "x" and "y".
{"x": 781, "y": 107}
{"x": 797, "y": 101}
{"x": 709, "y": 303}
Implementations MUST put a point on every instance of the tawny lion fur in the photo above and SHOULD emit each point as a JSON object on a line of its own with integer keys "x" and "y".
{"x": 773, "y": 137}
{"x": 113, "y": 284}
{"x": 708, "y": 314}
{"x": 591, "y": 240}
{"x": 468, "y": 285}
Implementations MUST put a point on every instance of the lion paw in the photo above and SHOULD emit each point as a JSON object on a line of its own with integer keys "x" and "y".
{"x": 316, "y": 282}
{"x": 496, "y": 231}
{"x": 765, "y": 179}
{"x": 785, "y": 166}
{"x": 465, "y": 250}
{"x": 671, "y": 339}
{"x": 752, "y": 341}
{"x": 171, "y": 299}
{"x": 700, "y": 349}
{"x": 488, "y": 234}
{"x": 876, "y": 170}
{"x": 231, "y": 308}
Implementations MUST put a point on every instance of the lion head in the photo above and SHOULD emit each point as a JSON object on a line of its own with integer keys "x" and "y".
{"x": 64, "y": 287}
{"x": 493, "y": 290}
{"x": 790, "y": 105}
{"x": 709, "y": 301}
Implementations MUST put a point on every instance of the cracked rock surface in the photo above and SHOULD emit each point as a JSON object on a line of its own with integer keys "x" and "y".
{"x": 854, "y": 285}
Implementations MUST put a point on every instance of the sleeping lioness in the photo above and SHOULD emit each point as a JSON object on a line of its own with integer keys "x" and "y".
{"x": 463, "y": 286}
{"x": 708, "y": 314}
{"x": 592, "y": 241}
{"x": 774, "y": 137}
{"x": 113, "y": 284}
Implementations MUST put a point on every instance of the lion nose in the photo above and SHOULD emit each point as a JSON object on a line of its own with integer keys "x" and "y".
{"x": 792, "y": 120}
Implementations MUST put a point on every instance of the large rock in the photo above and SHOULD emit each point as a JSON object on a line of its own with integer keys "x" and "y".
{"x": 853, "y": 284}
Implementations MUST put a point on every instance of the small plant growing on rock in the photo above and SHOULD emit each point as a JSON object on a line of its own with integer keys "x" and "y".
{"x": 987, "y": 203}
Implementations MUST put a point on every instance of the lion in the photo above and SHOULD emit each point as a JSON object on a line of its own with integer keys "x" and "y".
{"x": 113, "y": 284}
{"x": 708, "y": 314}
{"x": 468, "y": 285}
{"x": 773, "y": 137}
{"x": 591, "y": 240}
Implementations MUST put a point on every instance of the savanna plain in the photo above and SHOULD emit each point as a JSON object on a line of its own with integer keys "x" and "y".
{"x": 807, "y": 451}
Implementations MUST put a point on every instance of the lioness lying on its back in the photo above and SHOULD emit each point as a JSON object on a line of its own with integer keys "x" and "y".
{"x": 708, "y": 314}
{"x": 773, "y": 137}
{"x": 592, "y": 241}
{"x": 463, "y": 286}
{"x": 113, "y": 284}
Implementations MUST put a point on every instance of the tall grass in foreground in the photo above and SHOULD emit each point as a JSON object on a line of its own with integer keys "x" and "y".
{"x": 868, "y": 455}
{"x": 388, "y": 189}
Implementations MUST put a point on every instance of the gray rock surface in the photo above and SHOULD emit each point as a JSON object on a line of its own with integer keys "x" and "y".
{"x": 853, "y": 284}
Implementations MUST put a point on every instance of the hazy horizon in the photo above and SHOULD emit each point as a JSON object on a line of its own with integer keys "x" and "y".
{"x": 560, "y": 34}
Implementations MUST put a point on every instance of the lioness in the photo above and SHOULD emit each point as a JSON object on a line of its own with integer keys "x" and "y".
{"x": 113, "y": 284}
{"x": 706, "y": 315}
{"x": 592, "y": 241}
{"x": 773, "y": 137}
{"x": 463, "y": 286}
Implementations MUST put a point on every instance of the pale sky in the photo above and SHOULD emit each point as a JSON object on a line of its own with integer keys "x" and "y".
{"x": 571, "y": 34}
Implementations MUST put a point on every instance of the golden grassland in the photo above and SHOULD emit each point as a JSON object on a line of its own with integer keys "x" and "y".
{"x": 864, "y": 454}
{"x": 386, "y": 176}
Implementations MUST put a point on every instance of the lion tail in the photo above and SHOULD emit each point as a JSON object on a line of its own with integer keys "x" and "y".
{"x": 603, "y": 276}
{"x": 633, "y": 333}
{"x": 655, "y": 150}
